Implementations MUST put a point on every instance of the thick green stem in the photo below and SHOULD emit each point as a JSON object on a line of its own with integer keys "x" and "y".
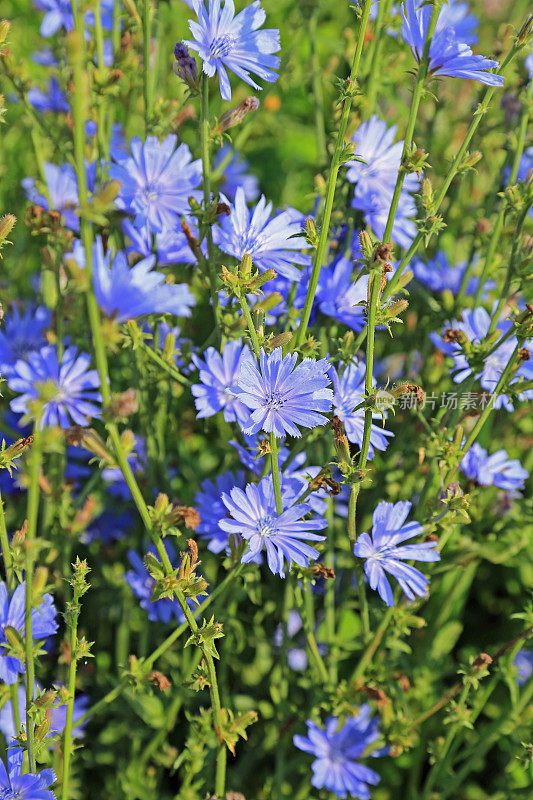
{"x": 321, "y": 250}
{"x": 6, "y": 552}
{"x": 206, "y": 167}
{"x": 67, "y": 736}
{"x": 274, "y": 462}
{"x": 147, "y": 77}
{"x": 251, "y": 327}
{"x": 31, "y": 533}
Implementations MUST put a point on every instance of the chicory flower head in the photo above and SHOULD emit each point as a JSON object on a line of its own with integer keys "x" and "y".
{"x": 12, "y": 611}
{"x": 226, "y": 41}
{"x": 62, "y": 192}
{"x": 337, "y": 751}
{"x": 55, "y": 100}
{"x": 16, "y": 786}
{"x": 448, "y": 55}
{"x": 208, "y": 502}
{"x": 273, "y": 242}
{"x": 125, "y": 292}
{"x": 219, "y": 375}
{"x": 21, "y": 334}
{"x": 494, "y": 470}
{"x": 282, "y": 394}
{"x": 348, "y": 393}
{"x": 253, "y": 515}
{"x": 157, "y": 180}
{"x": 67, "y": 388}
{"x": 383, "y": 552}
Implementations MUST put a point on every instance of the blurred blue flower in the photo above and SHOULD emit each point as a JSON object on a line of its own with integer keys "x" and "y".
{"x": 375, "y": 177}
{"x": 62, "y": 192}
{"x": 253, "y": 515}
{"x": 273, "y": 242}
{"x": 108, "y": 527}
{"x": 494, "y": 470}
{"x": 225, "y": 41}
{"x": 296, "y": 652}
{"x": 208, "y": 502}
{"x": 58, "y": 715}
{"x": 282, "y": 394}
{"x": 439, "y": 275}
{"x": 337, "y": 751}
{"x": 236, "y": 174}
{"x": 12, "y": 612}
{"x": 382, "y": 553}
{"x": 125, "y": 292}
{"x": 68, "y": 388}
{"x": 142, "y": 585}
{"x": 58, "y": 15}
{"x": 219, "y": 375}
{"x": 21, "y": 334}
{"x": 348, "y": 393}
{"x": 524, "y": 664}
{"x": 157, "y": 180}
{"x": 339, "y": 296}
{"x": 55, "y": 100}
{"x": 171, "y": 246}
{"x": 16, "y": 786}
{"x": 448, "y": 55}
{"x": 454, "y": 14}
{"x": 475, "y": 324}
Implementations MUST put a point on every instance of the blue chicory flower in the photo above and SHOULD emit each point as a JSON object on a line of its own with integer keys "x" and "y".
{"x": 12, "y": 612}
{"x": 225, "y": 41}
{"x": 494, "y": 470}
{"x": 125, "y": 292}
{"x": 62, "y": 192}
{"x": 68, "y": 388}
{"x": 58, "y": 715}
{"x": 55, "y": 100}
{"x": 448, "y": 55}
{"x": 235, "y": 174}
{"x": 16, "y": 786}
{"x": 171, "y": 245}
{"x": 218, "y": 387}
{"x": 348, "y": 393}
{"x": 383, "y": 554}
{"x": 282, "y": 395}
{"x": 338, "y": 751}
{"x": 273, "y": 242}
{"x": 22, "y": 333}
{"x": 253, "y": 515}
{"x": 157, "y": 180}
{"x": 208, "y": 502}
{"x": 524, "y": 664}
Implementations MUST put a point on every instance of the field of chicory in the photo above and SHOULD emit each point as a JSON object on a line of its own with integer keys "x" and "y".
{"x": 266, "y": 373}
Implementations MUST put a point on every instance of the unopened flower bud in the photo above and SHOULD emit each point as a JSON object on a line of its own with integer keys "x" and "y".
{"x": 246, "y": 266}
{"x": 366, "y": 244}
{"x": 280, "y": 341}
{"x": 4, "y": 30}
{"x": 185, "y": 66}
{"x": 236, "y": 115}
{"x": 7, "y": 224}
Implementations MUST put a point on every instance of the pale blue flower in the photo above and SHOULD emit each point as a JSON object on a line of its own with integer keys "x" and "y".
{"x": 494, "y": 470}
{"x": 219, "y": 376}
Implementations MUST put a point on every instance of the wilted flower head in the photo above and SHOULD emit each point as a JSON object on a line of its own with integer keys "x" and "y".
{"x": 67, "y": 388}
{"x": 337, "y": 751}
{"x": 21, "y": 334}
{"x": 219, "y": 375}
{"x": 282, "y": 395}
{"x": 253, "y": 515}
{"x": 225, "y": 41}
{"x": 382, "y": 552}
{"x": 157, "y": 181}
{"x": 125, "y": 292}
{"x": 273, "y": 242}
{"x": 12, "y": 615}
{"x": 494, "y": 470}
{"x": 448, "y": 55}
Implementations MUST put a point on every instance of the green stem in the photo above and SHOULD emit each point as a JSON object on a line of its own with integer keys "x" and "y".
{"x": 373, "y": 646}
{"x": 439, "y": 767}
{"x": 6, "y": 552}
{"x": 67, "y": 740}
{"x": 206, "y": 167}
{"x": 329, "y": 599}
{"x": 321, "y": 250}
{"x": 498, "y": 225}
{"x": 361, "y": 591}
{"x": 147, "y": 78}
{"x": 32, "y": 515}
{"x": 274, "y": 463}
{"x": 420, "y": 80}
{"x": 309, "y": 633}
{"x": 251, "y": 327}
{"x": 154, "y": 356}
{"x": 452, "y": 172}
